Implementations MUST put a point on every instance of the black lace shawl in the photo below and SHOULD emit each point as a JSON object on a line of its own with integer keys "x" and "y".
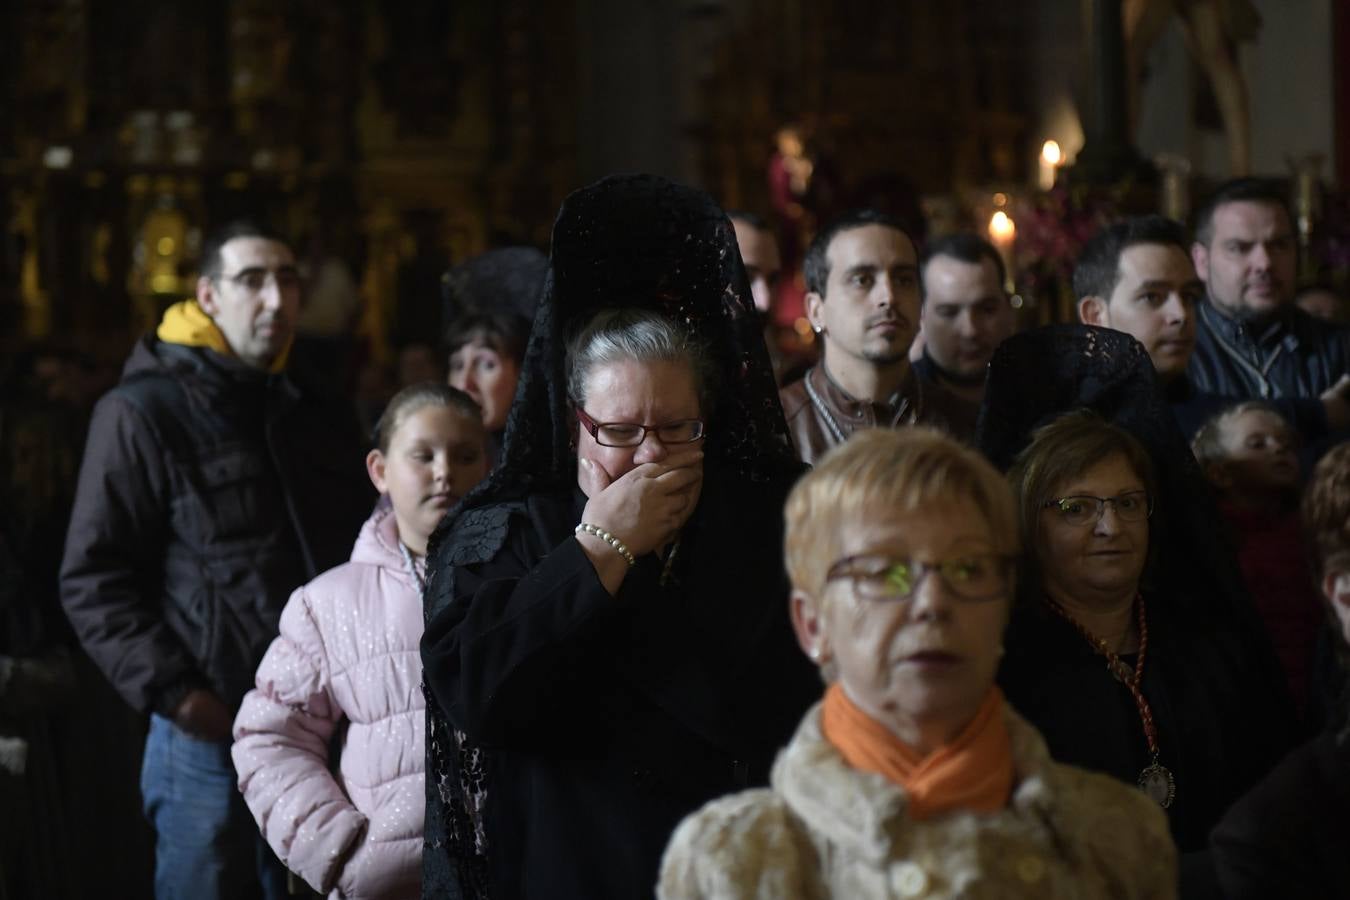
{"x": 626, "y": 241}
{"x": 1038, "y": 375}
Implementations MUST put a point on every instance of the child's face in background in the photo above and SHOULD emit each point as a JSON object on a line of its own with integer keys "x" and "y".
{"x": 1260, "y": 450}
{"x": 436, "y": 455}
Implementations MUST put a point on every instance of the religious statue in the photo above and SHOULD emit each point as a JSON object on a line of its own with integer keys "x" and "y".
{"x": 1213, "y": 29}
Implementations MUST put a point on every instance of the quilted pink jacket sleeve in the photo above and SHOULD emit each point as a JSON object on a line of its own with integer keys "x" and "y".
{"x": 281, "y": 740}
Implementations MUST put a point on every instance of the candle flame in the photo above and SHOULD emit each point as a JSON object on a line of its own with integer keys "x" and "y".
{"x": 1001, "y": 226}
{"x": 1051, "y": 153}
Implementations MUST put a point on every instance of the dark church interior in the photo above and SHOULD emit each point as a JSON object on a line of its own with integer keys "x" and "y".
{"x": 270, "y": 271}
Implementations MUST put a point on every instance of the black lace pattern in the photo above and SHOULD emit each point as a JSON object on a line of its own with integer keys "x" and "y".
{"x": 626, "y": 241}
{"x": 1038, "y": 375}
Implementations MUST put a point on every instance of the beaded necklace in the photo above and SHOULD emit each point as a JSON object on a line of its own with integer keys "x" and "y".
{"x": 1155, "y": 780}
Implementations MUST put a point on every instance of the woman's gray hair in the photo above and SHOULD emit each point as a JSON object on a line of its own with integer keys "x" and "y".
{"x": 635, "y": 335}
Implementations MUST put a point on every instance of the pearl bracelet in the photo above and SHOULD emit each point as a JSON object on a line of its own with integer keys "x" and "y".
{"x": 608, "y": 539}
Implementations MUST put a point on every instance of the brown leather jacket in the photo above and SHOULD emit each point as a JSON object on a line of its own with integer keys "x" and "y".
{"x": 821, "y": 414}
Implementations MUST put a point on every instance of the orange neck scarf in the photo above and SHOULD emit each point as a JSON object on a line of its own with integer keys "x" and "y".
{"x": 974, "y": 772}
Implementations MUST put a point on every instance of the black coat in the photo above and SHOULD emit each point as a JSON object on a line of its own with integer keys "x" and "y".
{"x": 608, "y": 719}
{"x": 208, "y": 492}
{"x": 1220, "y": 728}
{"x": 1290, "y": 837}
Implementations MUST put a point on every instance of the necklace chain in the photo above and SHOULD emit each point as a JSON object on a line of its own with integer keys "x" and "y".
{"x": 1132, "y": 679}
{"x": 835, "y": 431}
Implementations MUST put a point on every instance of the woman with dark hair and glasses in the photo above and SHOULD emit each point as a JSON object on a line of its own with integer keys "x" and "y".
{"x": 1116, "y": 668}
{"x": 608, "y": 645}
{"x": 913, "y": 777}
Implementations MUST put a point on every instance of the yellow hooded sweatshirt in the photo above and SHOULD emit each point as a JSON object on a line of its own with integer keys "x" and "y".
{"x": 187, "y": 324}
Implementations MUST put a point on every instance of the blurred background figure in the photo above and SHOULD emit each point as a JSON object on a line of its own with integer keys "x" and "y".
{"x": 485, "y": 354}
{"x": 489, "y": 304}
{"x": 418, "y": 361}
{"x": 331, "y": 307}
{"x": 1322, "y": 301}
{"x": 214, "y": 482}
{"x": 965, "y": 316}
{"x": 759, "y": 253}
{"x": 1288, "y": 836}
{"x": 1249, "y": 456}
{"x": 789, "y": 351}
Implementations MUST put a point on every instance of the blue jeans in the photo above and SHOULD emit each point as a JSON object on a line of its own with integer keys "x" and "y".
{"x": 207, "y": 846}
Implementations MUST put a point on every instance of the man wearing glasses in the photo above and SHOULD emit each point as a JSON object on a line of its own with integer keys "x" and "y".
{"x": 213, "y": 484}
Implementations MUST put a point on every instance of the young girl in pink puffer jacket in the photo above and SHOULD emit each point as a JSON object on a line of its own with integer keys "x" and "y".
{"x": 348, "y": 655}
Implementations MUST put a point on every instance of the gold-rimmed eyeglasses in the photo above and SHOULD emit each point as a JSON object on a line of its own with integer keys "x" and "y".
{"x": 974, "y": 576}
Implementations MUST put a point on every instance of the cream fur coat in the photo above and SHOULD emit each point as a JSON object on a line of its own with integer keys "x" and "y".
{"x": 826, "y": 830}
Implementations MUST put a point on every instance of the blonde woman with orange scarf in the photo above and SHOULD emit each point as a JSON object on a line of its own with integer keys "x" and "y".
{"x": 913, "y": 777}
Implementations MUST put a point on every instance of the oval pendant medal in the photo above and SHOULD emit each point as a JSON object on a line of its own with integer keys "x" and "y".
{"x": 1157, "y": 782}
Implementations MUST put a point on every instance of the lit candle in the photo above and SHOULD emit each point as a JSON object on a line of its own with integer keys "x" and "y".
{"x": 1051, "y": 157}
{"x": 1002, "y": 234}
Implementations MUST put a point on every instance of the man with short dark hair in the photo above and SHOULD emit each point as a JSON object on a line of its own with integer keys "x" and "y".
{"x": 1135, "y": 276}
{"x": 965, "y": 316}
{"x": 1251, "y": 340}
{"x": 213, "y": 484}
{"x": 862, "y": 299}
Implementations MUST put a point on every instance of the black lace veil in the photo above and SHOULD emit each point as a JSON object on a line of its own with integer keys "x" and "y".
{"x": 1037, "y": 375}
{"x": 626, "y": 241}
{"x": 503, "y": 280}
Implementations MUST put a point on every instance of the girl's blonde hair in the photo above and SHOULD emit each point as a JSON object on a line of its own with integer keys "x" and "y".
{"x": 415, "y": 397}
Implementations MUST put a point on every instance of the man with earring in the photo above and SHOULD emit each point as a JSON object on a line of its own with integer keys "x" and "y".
{"x": 862, "y": 283}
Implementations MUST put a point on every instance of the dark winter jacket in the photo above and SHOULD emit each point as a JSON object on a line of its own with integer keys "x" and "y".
{"x": 1293, "y": 355}
{"x": 1289, "y": 837}
{"x": 209, "y": 491}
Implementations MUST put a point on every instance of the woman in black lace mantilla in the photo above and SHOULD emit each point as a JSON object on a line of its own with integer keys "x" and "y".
{"x": 585, "y": 696}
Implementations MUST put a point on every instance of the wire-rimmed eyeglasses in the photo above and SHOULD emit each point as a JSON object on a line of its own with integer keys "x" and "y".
{"x": 1080, "y": 509}
{"x": 254, "y": 278}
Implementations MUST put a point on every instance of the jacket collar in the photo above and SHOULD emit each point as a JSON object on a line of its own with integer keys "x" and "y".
{"x": 1276, "y": 329}
{"x": 903, "y": 407}
{"x": 865, "y": 813}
